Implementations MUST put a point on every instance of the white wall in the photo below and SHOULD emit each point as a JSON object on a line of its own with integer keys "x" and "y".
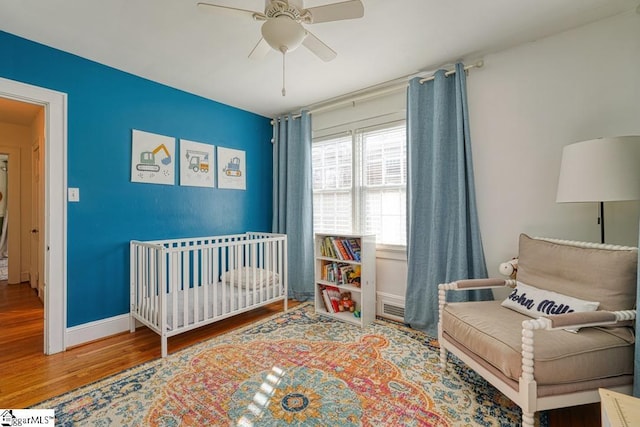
{"x": 530, "y": 101}
{"x": 525, "y": 104}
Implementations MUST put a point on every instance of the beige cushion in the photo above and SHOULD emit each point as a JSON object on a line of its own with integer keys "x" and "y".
{"x": 495, "y": 334}
{"x": 606, "y": 276}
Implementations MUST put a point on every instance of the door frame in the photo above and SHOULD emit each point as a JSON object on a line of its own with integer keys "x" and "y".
{"x": 55, "y": 205}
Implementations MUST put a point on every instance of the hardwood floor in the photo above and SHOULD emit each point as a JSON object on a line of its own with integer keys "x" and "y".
{"x": 29, "y": 377}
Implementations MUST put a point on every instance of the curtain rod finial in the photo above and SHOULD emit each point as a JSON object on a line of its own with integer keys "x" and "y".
{"x": 480, "y": 64}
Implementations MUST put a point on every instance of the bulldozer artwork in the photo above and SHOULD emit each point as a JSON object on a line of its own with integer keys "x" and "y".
{"x": 233, "y": 167}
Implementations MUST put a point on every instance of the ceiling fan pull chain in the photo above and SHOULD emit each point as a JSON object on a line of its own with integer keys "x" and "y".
{"x": 284, "y": 91}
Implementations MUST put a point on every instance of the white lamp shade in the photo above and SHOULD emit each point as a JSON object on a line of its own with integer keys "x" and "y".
{"x": 600, "y": 170}
{"x": 283, "y": 34}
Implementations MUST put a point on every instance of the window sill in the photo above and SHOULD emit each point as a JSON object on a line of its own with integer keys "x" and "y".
{"x": 394, "y": 252}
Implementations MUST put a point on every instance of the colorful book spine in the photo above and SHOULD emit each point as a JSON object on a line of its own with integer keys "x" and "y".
{"x": 343, "y": 251}
{"x": 347, "y": 246}
{"x": 355, "y": 246}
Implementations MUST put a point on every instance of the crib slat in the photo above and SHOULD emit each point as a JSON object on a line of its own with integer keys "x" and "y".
{"x": 206, "y": 280}
{"x": 185, "y": 286}
{"x": 251, "y": 293}
{"x": 224, "y": 264}
{"x": 173, "y": 284}
{"x": 152, "y": 286}
{"x": 277, "y": 291}
{"x": 196, "y": 285}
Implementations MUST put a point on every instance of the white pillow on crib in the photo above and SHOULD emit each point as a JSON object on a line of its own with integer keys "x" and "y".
{"x": 244, "y": 277}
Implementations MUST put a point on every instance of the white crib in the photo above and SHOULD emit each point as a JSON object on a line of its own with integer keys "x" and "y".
{"x": 182, "y": 284}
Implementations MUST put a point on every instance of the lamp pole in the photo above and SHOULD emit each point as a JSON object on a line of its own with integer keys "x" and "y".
{"x": 601, "y": 222}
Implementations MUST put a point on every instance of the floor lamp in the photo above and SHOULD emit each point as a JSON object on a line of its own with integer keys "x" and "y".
{"x": 600, "y": 170}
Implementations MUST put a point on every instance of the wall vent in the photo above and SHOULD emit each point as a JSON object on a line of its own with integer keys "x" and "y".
{"x": 391, "y": 307}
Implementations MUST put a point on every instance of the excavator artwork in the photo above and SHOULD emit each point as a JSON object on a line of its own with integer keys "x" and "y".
{"x": 148, "y": 159}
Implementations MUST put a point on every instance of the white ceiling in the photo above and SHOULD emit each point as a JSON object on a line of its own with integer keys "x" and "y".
{"x": 175, "y": 43}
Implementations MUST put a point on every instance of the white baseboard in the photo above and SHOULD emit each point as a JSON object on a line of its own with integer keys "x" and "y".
{"x": 92, "y": 331}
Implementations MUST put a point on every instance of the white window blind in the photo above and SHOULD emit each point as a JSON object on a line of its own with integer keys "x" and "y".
{"x": 332, "y": 185}
{"x": 384, "y": 183}
{"x": 359, "y": 183}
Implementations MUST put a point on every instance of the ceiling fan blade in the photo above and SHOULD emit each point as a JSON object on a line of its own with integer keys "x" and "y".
{"x": 336, "y": 11}
{"x": 320, "y": 49}
{"x": 215, "y": 8}
{"x": 260, "y": 50}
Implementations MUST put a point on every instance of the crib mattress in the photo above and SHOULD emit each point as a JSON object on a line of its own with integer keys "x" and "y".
{"x": 220, "y": 299}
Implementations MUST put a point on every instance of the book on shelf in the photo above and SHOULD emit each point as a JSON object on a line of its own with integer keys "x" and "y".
{"x": 326, "y": 300}
{"x": 340, "y": 248}
{"x": 349, "y": 249}
{"x": 327, "y": 249}
{"x": 331, "y": 298}
{"x": 355, "y": 248}
{"x": 341, "y": 273}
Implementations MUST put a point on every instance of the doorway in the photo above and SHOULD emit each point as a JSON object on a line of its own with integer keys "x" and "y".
{"x": 52, "y": 225}
{"x": 4, "y": 251}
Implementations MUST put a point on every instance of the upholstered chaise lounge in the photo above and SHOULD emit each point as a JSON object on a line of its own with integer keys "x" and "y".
{"x": 537, "y": 359}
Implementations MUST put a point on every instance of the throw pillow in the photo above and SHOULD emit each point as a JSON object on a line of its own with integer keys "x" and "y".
{"x": 535, "y": 302}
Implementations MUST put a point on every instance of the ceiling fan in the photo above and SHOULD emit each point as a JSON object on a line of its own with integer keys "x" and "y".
{"x": 282, "y": 29}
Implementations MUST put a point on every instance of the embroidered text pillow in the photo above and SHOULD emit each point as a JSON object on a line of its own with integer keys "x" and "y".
{"x": 536, "y": 302}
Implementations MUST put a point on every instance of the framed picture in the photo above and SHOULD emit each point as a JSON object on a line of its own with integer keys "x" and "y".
{"x": 197, "y": 164}
{"x": 232, "y": 169}
{"x": 152, "y": 158}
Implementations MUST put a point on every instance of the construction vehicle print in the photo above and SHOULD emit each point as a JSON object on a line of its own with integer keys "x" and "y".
{"x": 148, "y": 159}
{"x": 198, "y": 160}
{"x": 233, "y": 167}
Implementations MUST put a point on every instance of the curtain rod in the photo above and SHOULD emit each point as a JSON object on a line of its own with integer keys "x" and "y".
{"x": 478, "y": 64}
{"x": 381, "y": 91}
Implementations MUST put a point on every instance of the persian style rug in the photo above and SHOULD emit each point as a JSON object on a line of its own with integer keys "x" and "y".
{"x": 299, "y": 369}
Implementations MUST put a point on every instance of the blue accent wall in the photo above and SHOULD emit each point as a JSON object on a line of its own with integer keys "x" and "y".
{"x": 104, "y": 105}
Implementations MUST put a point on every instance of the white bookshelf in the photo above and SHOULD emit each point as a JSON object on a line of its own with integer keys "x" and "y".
{"x": 363, "y": 295}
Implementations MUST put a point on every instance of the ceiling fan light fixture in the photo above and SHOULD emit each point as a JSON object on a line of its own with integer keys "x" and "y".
{"x": 283, "y": 33}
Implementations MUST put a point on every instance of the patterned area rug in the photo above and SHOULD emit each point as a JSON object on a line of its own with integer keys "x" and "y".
{"x": 295, "y": 369}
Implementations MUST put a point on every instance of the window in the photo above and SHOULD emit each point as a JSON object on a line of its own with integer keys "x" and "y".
{"x": 359, "y": 183}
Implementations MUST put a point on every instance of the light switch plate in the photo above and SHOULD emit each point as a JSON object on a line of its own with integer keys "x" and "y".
{"x": 74, "y": 194}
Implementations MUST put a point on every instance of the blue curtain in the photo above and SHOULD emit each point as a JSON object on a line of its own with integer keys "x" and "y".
{"x": 443, "y": 235}
{"x": 293, "y": 199}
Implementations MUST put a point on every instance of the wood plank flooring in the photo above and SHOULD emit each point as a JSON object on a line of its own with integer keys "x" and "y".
{"x": 29, "y": 377}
